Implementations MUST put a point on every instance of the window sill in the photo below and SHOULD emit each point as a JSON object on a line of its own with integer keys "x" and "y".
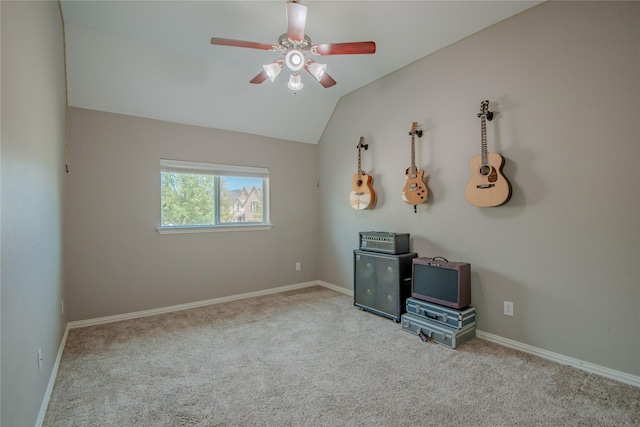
{"x": 218, "y": 229}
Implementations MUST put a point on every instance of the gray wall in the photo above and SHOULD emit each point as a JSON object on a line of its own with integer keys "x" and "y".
{"x": 116, "y": 260}
{"x": 32, "y": 173}
{"x": 564, "y": 81}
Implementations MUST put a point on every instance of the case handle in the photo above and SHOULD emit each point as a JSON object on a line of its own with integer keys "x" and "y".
{"x": 438, "y": 258}
{"x": 424, "y": 337}
{"x": 434, "y": 316}
{"x": 430, "y": 316}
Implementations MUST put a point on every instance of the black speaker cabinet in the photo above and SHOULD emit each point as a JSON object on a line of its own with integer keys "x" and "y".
{"x": 382, "y": 282}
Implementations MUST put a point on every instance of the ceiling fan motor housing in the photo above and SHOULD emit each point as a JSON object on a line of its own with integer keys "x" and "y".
{"x": 285, "y": 44}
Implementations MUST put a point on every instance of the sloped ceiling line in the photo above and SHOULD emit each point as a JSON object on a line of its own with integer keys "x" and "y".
{"x": 153, "y": 58}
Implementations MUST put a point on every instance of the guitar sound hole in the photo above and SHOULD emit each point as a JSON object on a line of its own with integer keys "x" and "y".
{"x": 485, "y": 170}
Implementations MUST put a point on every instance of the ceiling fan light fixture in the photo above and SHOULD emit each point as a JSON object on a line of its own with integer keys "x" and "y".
{"x": 295, "y": 82}
{"x": 294, "y": 60}
{"x": 272, "y": 70}
{"x": 317, "y": 70}
{"x": 294, "y": 45}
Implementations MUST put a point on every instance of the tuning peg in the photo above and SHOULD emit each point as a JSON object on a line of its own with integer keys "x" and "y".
{"x": 417, "y": 132}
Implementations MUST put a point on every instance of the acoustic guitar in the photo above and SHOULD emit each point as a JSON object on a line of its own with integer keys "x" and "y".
{"x": 362, "y": 195}
{"x": 487, "y": 187}
{"x": 415, "y": 190}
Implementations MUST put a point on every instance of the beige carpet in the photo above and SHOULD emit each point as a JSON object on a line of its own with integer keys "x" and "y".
{"x": 310, "y": 358}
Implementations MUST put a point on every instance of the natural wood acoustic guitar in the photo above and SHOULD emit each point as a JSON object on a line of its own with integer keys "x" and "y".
{"x": 362, "y": 195}
{"x": 415, "y": 190}
{"x": 487, "y": 187}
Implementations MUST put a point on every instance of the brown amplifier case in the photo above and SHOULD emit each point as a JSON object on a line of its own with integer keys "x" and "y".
{"x": 440, "y": 281}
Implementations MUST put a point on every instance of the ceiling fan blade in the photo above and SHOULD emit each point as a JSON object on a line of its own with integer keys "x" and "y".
{"x": 353, "y": 48}
{"x": 240, "y": 43}
{"x": 296, "y": 20}
{"x": 262, "y": 76}
{"x": 327, "y": 80}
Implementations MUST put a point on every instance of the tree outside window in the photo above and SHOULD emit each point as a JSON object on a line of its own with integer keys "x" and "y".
{"x": 193, "y": 196}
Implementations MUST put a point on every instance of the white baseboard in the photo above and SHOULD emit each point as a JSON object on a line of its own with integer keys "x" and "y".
{"x": 179, "y": 307}
{"x": 565, "y": 360}
{"x": 340, "y": 289}
{"x": 52, "y": 379}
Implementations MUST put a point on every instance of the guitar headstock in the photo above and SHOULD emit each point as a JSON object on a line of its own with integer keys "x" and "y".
{"x": 484, "y": 110}
{"x": 414, "y": 130}
{"x": 361, "y": 144}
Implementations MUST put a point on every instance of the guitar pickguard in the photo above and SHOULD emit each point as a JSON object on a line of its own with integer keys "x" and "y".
{"x": 490, "y": 172}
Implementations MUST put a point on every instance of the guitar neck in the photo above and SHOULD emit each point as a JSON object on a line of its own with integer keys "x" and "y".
{"x": 414, "y": 129}
{"x": 483, "y": 143}
{"x": 413, "y": 151}
{"x": 484, "y": 115}
{"x": 361, "y": 145}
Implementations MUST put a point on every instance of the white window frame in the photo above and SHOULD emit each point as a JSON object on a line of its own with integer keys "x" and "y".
{"x": 183, "y": 166}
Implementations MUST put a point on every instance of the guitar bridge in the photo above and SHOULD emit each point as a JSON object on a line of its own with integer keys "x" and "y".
{"x": 485, "y": 186}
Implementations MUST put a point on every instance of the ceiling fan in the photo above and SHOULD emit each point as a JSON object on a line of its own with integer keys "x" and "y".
{"x": 295, "y": 45}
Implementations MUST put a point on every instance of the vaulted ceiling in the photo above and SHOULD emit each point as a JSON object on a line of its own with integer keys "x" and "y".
{"x": 154, "y": 58}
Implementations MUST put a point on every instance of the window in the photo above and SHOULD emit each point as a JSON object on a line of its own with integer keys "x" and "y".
{"x": 210, "y": 197}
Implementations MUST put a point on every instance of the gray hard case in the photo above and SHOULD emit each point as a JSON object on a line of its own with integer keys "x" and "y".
{"x": 444, "y": 315}
{"x": 429, "y": 330}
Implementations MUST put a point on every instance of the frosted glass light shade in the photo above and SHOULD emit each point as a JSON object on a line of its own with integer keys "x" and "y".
{"x": 317, "y": 70}
{"x": 295, "y": 82}
{"x": 272, "y": 70}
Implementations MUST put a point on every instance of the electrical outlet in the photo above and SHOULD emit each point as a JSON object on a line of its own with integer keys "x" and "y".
{"x": 298, "y": 266}
{"x": 508, "y": 308}
{"x": 39, "y": 359}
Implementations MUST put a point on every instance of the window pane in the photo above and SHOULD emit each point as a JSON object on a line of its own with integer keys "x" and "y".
{"x": 241, "y": 199}
{"x": 187, "y": 199}
{"x": 208, "y": 195}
